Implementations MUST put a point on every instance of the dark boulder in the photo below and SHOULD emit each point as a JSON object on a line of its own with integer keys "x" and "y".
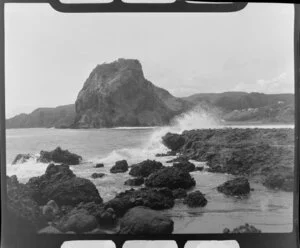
{"x": 173, "y": 141}
{"x": 50, "y": 210}
{"x": 153, "y": 198}
{"x": 179, "y": 193}
{"x": 145, "y": 168}
{"x": 134, "y": 181}
{"x": 141, "y": 221}
{"x": 60, "y": 184}
{"x": 100, "y": 165}
{"x": 236, "y": 187}
{"x": 23, "y": 212}
{"x": 97, "y": 175}
{"x": 59, "y": 156}
{"x": 186, "y": 166}
{"x": 171, "y": 178}
{"x": 119, "y": 167}
{"x": 195, "y": 199}
{"x": 78, "y": 221}
{"x": 106, "y": 217}
{"x": 243, "y": 229}
{"x": 22, "y": 158}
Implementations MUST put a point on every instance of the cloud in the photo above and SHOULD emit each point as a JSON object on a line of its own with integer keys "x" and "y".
{"x": 279, "y": 84}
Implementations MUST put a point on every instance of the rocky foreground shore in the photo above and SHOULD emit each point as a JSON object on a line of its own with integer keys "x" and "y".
{"x": 61, "y": 202}
{"x": 263, "y": 154}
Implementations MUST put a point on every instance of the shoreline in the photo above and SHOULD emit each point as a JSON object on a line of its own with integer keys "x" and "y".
{"x": 144, "y": 192}
{"x": 233, "y": 123}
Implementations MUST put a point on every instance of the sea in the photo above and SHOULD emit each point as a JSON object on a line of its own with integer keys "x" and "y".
{"x": 268, "y": 210}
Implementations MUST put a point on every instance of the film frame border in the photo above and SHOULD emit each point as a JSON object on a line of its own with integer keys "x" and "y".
{"x": 275, "y": 240}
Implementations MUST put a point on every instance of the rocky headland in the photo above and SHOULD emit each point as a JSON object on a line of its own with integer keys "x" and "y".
{"x": 117, "y": 94}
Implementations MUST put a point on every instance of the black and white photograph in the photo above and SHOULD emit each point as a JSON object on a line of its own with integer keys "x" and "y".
{"x": 150, "y": 123}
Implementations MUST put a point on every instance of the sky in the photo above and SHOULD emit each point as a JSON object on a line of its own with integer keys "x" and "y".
{"x": 49, "y": 55}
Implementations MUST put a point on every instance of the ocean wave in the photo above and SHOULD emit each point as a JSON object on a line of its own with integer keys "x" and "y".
{"x": 197, "y": 118}
{"x": 27, "y": 170}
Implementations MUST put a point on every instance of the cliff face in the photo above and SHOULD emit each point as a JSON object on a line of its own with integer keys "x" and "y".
{"x": 59, "y": 117}
{"x": 117, "y": 94}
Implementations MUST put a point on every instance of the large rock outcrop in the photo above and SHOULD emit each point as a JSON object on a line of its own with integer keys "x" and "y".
{"x": 236, "y": 187}
{"x": 171, "y": 178}
{"x": 118, "y": 94}
{"x": 195, "y": 199}
{"x": 59, "y": 155}
{"x": 141, "y": 220}
{"x": 266, "y": 154}
{"x": 60, "y": 184}
{"x": 156, "y": 199}
{"x": 145, "y": 168}
{"x": 23, "y": 212}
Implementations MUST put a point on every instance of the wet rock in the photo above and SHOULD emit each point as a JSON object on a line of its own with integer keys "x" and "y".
{"x": 171, "y": 178}
{"x": 145, "y": 168}
{"x": 246, "y": 152}
{"x": 97, "y": 175}
{"x": 60, "y": 184}
{"x": 23, "y": 211}
{"x": 243, "y": 229}
{"x": 78, "y": 221}
{"x": 119, "y": 167}
{"x": 179, "y": 193}
{"x": 134, "y": 181}
{"x": 49, "y": 230}
{"x": 22, "y": 158}
{"x": 153, "y": 198}
{"x": 106, "y": 217}
{"x": 59, "y": 156}
{"x": 236, "y": 187}
{"x": 141, "y": 220}
{"x": 50, "y": 210}
{"x": 173, "y": 141}
{"x": 100, "y": 165}
{"x": 186, "y": 166}
{"x": 195, "y": 199}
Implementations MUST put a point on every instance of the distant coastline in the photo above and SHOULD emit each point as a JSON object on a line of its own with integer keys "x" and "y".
{"x": 118, "y": 95}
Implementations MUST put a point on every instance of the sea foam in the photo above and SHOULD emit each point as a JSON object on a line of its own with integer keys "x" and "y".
{"x": 197, "y": 118}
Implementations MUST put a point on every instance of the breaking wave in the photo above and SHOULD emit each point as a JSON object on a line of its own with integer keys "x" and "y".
{"x": 198, "y": 118}
{"x": 24, "y": 171}
{"x": 152, "y": 145}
